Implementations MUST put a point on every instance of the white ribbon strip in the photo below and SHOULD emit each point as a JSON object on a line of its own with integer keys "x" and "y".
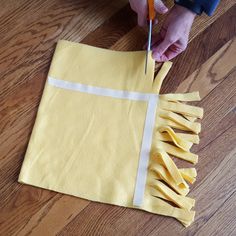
{"x": 145, "y": 151}
{"x": 83, "y": 88}
{"x": 152, "y": 100}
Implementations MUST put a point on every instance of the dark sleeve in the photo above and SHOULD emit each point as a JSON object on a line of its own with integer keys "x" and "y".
{"x": 199, "y": 6}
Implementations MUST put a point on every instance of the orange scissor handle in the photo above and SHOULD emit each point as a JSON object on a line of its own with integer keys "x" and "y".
{"x": 151, "y": 10}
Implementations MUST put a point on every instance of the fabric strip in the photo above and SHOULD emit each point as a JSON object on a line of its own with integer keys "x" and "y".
{"x": 152, "y": 100}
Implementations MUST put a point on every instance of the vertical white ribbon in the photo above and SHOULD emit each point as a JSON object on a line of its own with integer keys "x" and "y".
{"x": 145, "y": 151}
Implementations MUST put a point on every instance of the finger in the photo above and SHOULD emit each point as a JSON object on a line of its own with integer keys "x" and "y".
{"x": 171, "y": 53}
{"x": 168, "y": 55}
{"x": 160, "y": 7}
{"x": 160, "y": 49}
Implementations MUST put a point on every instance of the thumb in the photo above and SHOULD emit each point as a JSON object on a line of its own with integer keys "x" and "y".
{"x": 160, "y": 49}
{"x": 160, "y": 7}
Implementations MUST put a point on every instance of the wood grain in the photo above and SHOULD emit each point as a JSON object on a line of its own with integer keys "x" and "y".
{"x": 29, "y": 31}
{"x": 212, "y": 72}
{"x": 53, "y": 216}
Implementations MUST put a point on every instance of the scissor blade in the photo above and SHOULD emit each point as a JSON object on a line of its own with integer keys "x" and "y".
{"x": 149, "y": 44}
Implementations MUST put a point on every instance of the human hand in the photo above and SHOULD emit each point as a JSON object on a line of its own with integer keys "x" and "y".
{"x": 174, "y": 34}
{"x": 141, "y": 8}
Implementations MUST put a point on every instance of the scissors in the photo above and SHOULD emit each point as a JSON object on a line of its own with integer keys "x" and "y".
{"x": 151, "y": 17}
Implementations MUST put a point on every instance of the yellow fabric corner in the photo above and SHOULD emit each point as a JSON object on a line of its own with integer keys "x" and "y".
{"x": 103, "y": 133}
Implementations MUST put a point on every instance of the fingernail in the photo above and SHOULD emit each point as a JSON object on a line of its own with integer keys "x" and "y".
{"x": 156, "y": 56}
{"x": 164, "y": 9}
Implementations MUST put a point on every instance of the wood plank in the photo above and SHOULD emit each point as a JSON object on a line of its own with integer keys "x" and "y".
{"x": 53, "y": 216}
{"x": 225, "y": 215}
{"x": 13, "y": 13}
{"x": 113, "y": 29}
{"x": 103, "y": 219}
{"x": 15, "y": 211}
{"x": 212, "y": 72}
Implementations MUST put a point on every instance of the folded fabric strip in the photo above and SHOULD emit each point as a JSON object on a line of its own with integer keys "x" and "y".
{"x": 104, "y": 133}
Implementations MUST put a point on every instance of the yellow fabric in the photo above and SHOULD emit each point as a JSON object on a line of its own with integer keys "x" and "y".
{"x": 161, "y": 173}
{"x": 89, "y": 146}
{"x": 176, "y": 138}
{"x": 187, "y": 97}
{"x": 189, "y": 174}
{"x": 170, "y": 195}
{"x": 164, "y": 159}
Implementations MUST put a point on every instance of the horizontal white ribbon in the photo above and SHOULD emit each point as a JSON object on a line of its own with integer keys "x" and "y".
{"x": 150, "y": 98}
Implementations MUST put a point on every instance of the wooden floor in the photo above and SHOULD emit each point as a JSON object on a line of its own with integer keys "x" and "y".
{"x": 29, "y": 31}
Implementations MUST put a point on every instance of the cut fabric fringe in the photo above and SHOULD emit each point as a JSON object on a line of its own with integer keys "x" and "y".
{"x": 167, "y": 185}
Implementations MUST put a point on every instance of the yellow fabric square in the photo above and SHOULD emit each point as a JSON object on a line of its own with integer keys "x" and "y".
{"x": 103, "y": 133}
